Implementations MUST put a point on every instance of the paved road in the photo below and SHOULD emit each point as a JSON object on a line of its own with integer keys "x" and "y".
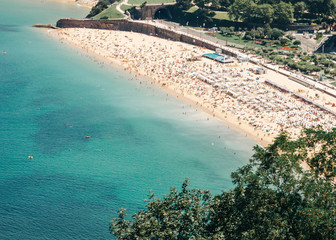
{"x": 308, "y": 43}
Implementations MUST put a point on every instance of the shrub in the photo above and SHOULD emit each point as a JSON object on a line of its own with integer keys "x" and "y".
{"x": 293, "y": 65}
{"x": 284, "y": 41}
{"x": 327, "y": 63}
{"x": 225, "y": 31}
{"x": 308, "y": 67}
{"x": 304, "y": 58}
{"x": 277, "y": 42}
{"x": 290, "y": 37}
{"x": 276, "y": 34}
{"x": 265, "y": 42}
{"x": 248, "y": 37}
{"x": 297, "y": 42}
{"x": 319, "y": 35}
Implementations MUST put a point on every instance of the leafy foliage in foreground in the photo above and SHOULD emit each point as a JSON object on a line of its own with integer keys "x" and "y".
{"x": 273, "y": 198}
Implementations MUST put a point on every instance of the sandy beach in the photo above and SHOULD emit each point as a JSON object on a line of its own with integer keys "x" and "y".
{"x": 88, "y": 3}
{"x": 234, "y": 93}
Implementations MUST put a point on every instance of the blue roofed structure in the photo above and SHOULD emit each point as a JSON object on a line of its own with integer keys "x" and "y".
{"x": 305, "y": 30}
{"x": 217, "y": 57}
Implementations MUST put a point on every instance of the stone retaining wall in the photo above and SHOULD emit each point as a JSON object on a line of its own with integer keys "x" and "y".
{"x": 130, "y": 26}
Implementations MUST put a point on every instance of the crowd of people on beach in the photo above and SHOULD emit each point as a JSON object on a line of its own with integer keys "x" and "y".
{"x": 228, "y": 91}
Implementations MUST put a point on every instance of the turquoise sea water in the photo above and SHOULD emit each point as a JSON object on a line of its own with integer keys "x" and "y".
{"x": 52, "y": 96}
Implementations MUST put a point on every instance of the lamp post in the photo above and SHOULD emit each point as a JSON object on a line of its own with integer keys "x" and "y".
{"x": 187, "y": 28}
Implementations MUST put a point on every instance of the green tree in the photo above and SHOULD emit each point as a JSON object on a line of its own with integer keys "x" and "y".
{"x": 267, "y": 30}
{"x": 264, "y": 13}
{"x": 215, "y": 4}
{"x": 183, "y": 4}
{"x": 271, "y": 2}
{"x": 241, "y": 10}
{"x": 283, "y": 13}
{"x": 276, "y": 34}
{"x": 179, "y": 215}
{"x": 321, "y": 154}
{"x": 201, "y": 3}
{"x": 322, "y": 7}
{"x": 226, "y": 3}
{"x": 274, "y": 198}
{"x": 299, "y": 9}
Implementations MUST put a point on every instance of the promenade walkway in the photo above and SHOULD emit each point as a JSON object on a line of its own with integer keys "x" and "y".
{"x": 305, "y": 80}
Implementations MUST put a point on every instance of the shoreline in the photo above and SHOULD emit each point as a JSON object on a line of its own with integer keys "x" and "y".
{"x": 238, "y": 96}
{"x": 84, "y": 4}
{"x": 227, "y": 119}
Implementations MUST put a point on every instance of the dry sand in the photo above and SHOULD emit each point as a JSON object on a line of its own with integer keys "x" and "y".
{"x": 259, "y": 111}
{"x": 88, "y": 3}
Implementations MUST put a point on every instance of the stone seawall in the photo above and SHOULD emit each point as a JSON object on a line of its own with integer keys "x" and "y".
{"x": 131, "y": 26}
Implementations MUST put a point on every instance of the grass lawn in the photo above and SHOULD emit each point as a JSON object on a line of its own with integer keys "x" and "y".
{"x": 222, "y": 15}
{"x": 192, "y": 9}
{"x": 235, "y": 39}
{"x": 111, "y": 12}
{"x": 125, "y": 7}
{"x": 139, "y": 2}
